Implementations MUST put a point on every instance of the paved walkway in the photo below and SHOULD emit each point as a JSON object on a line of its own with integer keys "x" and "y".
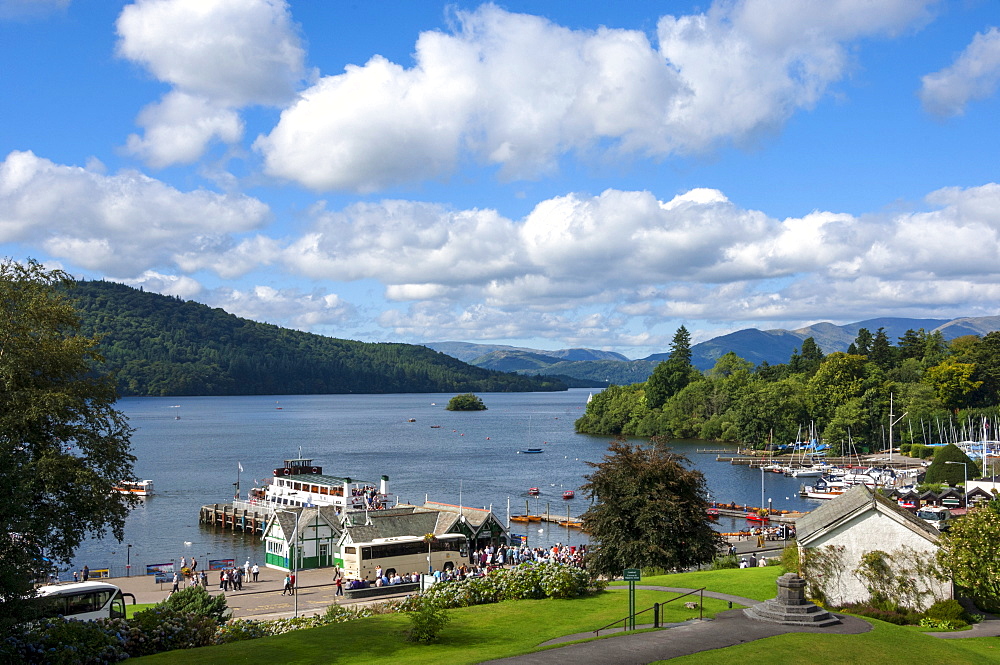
{"x": 259, "y": 600}
{"x": 729, "y": 628}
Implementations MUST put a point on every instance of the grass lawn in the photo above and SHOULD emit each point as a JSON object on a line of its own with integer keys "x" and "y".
{"x": 887, "y": 644}
{"x": 474, "y": 634}
{"x": 755, "y": 583}
{"x": 130, "y": 610}
{"x": 485, "y": 632}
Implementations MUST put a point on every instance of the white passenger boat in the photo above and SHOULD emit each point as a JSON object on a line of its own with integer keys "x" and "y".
{"x": 139, "y": 488}
{"x": 301, "y": 483}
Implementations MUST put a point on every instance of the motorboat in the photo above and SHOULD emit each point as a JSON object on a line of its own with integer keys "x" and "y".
{"x": 530, "y": 451}
{"x": 138, "y": 488}
{"x": 569, "y": 494}
{"x": 534, "y": 491}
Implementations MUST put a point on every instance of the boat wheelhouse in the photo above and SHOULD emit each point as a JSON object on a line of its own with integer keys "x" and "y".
{"x": 301, "y": 483}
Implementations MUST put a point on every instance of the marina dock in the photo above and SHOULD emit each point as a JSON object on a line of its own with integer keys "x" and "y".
{"x": 757, "y": 462}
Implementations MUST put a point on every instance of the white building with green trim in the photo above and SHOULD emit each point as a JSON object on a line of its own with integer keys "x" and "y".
{"x": 315, "y": 537}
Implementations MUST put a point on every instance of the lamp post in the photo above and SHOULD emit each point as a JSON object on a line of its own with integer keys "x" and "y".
{"x": 294, "y": 555}
{"x": 128, "y": 560}
{"x": 965, "y": 483}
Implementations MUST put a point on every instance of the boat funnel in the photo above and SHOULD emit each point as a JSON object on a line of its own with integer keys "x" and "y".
{"x": 383, "y": 487}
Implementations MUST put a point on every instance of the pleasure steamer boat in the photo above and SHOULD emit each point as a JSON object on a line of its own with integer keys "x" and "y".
{"x": 300, "y": 483}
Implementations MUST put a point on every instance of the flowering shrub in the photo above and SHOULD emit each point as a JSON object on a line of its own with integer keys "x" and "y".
{"x": 162, "y": 628}
{"x": 527, "y": 581}
{"x": 63, "y": 642}
{"x": 238, "y": 630}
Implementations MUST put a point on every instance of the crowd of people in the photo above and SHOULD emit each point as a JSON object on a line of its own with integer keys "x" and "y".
{"x": 511, "y": 555}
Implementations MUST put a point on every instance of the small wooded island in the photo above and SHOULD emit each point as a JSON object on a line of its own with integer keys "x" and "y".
{"x": 466, "y": 402}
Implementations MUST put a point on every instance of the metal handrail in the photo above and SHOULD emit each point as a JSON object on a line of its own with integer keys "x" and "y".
{"x": 656, "y": 606}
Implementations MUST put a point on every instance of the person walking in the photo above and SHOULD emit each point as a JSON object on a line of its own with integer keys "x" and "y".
{"x": 177, "y": 581}
{"x": 255, "y": 570}
{"x": 288, "y": 586}
{"x": 86, "y": 573}
{"x": 340, "y": 585}
{"x": 292, "y": 584}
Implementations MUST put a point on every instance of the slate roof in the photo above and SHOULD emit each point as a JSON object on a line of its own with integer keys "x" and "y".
{"x": 851, "y": 503}
{"x": 473, "y": 516}
{"x": 288, "y": 517}
{"x": 393, "y": 526}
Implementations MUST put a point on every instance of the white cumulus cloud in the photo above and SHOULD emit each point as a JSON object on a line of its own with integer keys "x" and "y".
{"x": 121, "y": 224}
{"x": 974, "y": 75}
{"x": 218, "y": 56}
{"x": 518, "y": 91}
{"x": 291, "y": 307}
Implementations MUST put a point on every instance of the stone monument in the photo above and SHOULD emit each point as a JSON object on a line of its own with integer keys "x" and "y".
{"x": 791, "y": 608}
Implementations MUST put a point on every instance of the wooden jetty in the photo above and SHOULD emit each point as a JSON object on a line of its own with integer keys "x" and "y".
{"x": 227, "y": 516}
{"x": 757, "y": 462}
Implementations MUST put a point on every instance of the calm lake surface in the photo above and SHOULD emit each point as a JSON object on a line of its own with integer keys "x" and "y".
{"x": 190, "y": 448}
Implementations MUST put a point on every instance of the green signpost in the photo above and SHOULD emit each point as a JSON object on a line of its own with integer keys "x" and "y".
{"x": 631, "y": 575}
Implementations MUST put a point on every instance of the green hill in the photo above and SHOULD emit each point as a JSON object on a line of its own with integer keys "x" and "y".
{"x": 162, "y": 345}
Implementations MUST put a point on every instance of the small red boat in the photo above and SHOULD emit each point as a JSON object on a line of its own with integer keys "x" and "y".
{"x": 753, "y": 517}
{"x": 569, "y": 494}
{"x": 713, "y": 513}
{"x": 533, "y": 491}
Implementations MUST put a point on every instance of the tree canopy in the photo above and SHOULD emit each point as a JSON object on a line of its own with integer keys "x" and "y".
{"x": 946, "y": 391}
{"x": 161, "y": 345}
{"x": 970, "y": 551}
{"x": 466, "y": 402}
{"x": 648, "y": 511}
{"x": 63, "y": 446}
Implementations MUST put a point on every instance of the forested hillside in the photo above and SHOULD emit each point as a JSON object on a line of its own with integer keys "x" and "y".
{"x": 160, "y": 345}
{"x": 936, "y": 388}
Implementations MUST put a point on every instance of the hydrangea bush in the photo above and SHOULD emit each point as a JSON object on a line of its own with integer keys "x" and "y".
{"x": 527, "y": 581}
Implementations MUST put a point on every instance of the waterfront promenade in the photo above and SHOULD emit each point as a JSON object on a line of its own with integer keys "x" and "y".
{"x": 263, "y": 600}
{"x": 259, "y": 600}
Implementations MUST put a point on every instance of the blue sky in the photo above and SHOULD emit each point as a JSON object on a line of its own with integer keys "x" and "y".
{"x": 541, "y": 174}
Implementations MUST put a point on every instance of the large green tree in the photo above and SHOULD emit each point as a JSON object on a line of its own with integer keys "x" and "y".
{"x": 63, "y": 446}
{"x": 648, "y": 511}
{"x": 970, "y": 551}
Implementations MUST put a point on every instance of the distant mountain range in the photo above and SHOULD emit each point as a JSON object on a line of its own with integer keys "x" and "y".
{"x": 772, "y": 346}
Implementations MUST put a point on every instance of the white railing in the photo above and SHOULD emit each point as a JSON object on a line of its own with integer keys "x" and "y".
{"x": 259, "y": 507}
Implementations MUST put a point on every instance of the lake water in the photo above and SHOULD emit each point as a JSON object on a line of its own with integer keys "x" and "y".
{"x": 190, "y": 448}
